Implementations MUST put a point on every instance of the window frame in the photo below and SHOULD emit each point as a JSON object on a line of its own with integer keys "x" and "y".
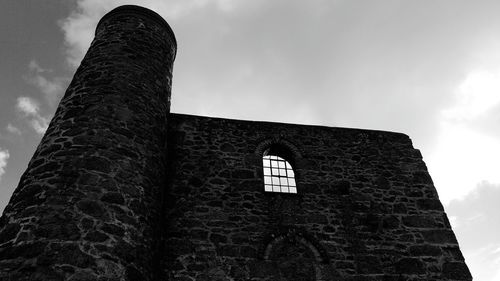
{"x": 278, "y": 174}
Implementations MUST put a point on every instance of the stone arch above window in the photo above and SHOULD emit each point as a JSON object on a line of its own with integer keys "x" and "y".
{"x": 279, "y": 144}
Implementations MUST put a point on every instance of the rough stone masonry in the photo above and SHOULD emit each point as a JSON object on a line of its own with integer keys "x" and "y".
{"x": 121, "y": 189}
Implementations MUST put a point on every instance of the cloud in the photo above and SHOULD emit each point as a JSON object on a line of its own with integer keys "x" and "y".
{"x": 476, "y": 102}
{"x": 484, "y": 262}
{"x": 477, "y": 213}
{"x": 78, "y": 29}
{"x": 79, "y": 26}
{"x": 33, "y": 66}
{"x": 52, "y": 88}
{"x": 476, "y": 96}
{"x": 4, "y": 156}
{"x": 12, "y": 129}
{"x": 27, "y": 106}
{"x": 468, "y": 143}
{"x": 40, "y": 124}
{"x": 461, "y": 158}
{"x": 31, "y": 110}
{"x": 477, "y": 227}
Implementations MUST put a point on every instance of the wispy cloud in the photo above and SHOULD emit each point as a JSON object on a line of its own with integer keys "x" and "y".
{"x": 51, "y": 87}
{"x": 40, "y": 124}
{"x": 13, "y": 129}
{"x": 27, "y": 106}
{"x": 78, "y": 30}
{"x": 31, "y": 111}
{"x": 476, "y": 224}
{"x": 478, "y": 212}
{"x": 79, "y": 26}
{"x": 476, "y": 96}
{"x": 4, "y": 156}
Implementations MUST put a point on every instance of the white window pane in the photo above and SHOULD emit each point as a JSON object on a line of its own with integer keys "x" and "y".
{"x": 276, "y": 180}
{"x": 283, "y": 181}
{"x": 283, "y": 172}
{"x": 288, "y": 165}
{"x": 275, "y": 172}
{"x": 268, "y": 188}
{"x": 291, "y": 174}
{"x": 267, "y": 171}
{"x": 265, "y": 163}
{"x": 293, "y": 189}
{"x": 267, "y": 180}
{"x": 291, "y": 182}
{"x": 274, "y": 163}
{"x": 284, "y": 189}
{"x": 281, "y": 165}
{"x": 276, "y": 188}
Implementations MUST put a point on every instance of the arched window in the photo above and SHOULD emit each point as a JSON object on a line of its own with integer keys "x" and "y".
{"x": 278, "y": 173}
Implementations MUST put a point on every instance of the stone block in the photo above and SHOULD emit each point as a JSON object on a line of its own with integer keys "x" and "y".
{"x": 456, "y": 271}
{"x": 410, "y": 266}
{"x": 425, "y": 250}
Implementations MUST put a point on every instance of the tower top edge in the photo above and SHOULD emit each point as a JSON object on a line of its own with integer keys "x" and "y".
{"x": 140, "y": 12}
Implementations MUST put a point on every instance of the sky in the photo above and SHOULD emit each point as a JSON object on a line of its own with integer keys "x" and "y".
{"x": 429, "y": 69}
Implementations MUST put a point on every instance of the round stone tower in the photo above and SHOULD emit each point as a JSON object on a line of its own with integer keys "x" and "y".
{"x": 88, "y": 205}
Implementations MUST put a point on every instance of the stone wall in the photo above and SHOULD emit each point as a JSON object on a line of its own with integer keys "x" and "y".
{"x": 366, "y": 207}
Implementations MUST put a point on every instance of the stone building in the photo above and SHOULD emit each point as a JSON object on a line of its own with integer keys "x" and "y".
{"x": 121, "y": 189}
